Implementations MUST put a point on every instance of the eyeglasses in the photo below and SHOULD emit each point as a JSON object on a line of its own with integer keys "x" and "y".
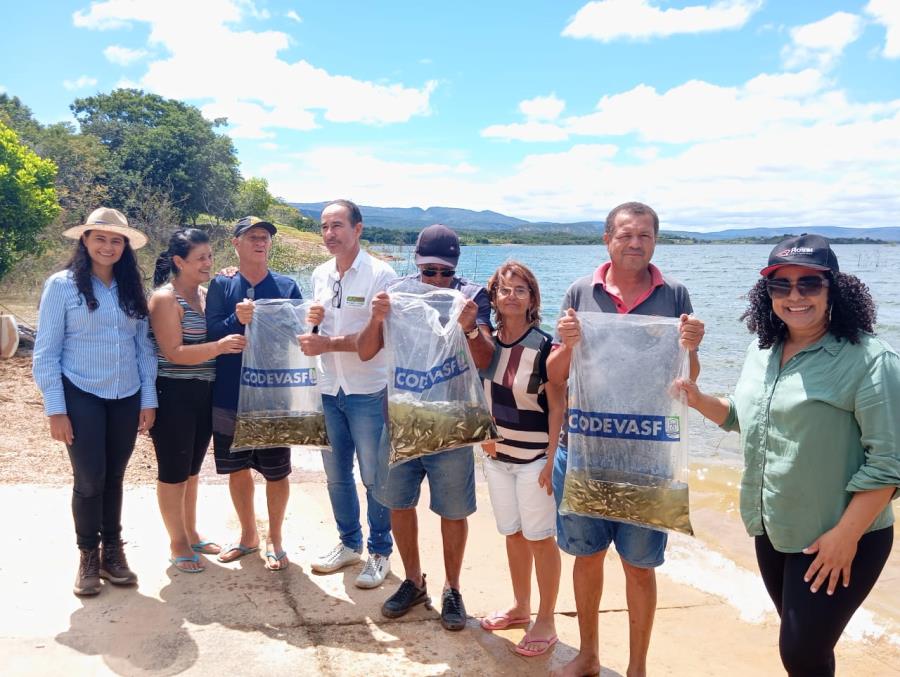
{"x": 520, "y": 293}
{"x": 808, "y": 285}
{"x": 432, "y": 272}
{"x": 336, "y": 299}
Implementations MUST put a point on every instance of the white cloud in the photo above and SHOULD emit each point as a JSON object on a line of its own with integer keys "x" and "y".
{"x": 123, "y": 55}
{"x": 268, "y": 145}
{"x": 526, "y": 131}
{"x": 126, "y": 83}
{"x": 822, "y": 42}
{"x": 887, "y": 13}
{"x": 243, "y": 77}
{"x": 542, "y": 107}
{"x": 82, "y": 82}
{"x": 2, "y": 89}
{"x": 608, "y": 20}
{"x": 293, "y": 16}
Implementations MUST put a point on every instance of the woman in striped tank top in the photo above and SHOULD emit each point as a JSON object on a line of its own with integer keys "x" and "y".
{"x": 187, "y": 369}
{"x": 528, "y": 411}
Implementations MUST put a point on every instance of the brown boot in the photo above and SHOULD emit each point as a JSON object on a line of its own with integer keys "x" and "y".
{"x": 87, "y": 581}
{"x": 114, "y": 566}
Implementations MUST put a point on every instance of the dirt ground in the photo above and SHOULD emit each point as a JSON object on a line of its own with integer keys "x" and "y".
{"x": 27, "y": 454}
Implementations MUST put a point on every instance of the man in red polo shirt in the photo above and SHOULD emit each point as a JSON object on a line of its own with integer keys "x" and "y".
{"x": 628, "y": 283}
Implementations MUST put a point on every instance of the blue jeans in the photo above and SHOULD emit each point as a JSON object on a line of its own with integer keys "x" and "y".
{"x": 357, "y": 423}
{"x": 451, "y": 483}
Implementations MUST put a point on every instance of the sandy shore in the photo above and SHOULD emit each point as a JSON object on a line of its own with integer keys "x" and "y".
{"x": 714, "y": 615}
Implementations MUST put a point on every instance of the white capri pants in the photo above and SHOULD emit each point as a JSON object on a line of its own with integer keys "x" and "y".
{"x": 519, "y": 502}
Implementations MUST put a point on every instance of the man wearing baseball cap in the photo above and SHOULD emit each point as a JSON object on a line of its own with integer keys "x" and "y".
{"x": 451, "y": 474}
{"x": 229, "y": 308}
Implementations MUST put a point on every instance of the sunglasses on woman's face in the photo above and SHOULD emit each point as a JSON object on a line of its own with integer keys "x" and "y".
{"x": 808, "y": 285}
{"x": 431, "y": 272}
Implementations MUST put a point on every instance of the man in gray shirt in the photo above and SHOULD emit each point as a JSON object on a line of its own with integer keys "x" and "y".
{"x": 628, "y": 283}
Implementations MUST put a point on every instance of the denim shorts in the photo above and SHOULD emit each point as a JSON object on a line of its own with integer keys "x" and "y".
{"x": 451, "y": 482}
{"x": 580, "y": 536}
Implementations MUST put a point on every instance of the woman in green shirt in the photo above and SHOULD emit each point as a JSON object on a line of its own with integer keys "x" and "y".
{"x": 817, "y": 407}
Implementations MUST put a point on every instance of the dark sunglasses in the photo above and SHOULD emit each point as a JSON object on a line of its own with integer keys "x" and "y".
{"x": 809, "y": 285}
{"x": 336, "y": 299}
{"x": 432, "y": 272}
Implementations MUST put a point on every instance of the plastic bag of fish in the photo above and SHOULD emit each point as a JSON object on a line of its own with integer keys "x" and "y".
{"x": 435, "y": 399}
{"x": 279, "y": 404}
{"x": 628, "y": 447}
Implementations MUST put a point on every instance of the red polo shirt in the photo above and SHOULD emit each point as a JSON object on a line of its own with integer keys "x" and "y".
{"x": 656, "y": 280}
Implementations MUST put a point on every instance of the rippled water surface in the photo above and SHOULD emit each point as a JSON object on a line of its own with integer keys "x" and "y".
{"x": 717, "y": 276}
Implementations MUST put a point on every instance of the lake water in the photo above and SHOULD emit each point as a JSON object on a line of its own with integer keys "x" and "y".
{"x": 717, "y": 276}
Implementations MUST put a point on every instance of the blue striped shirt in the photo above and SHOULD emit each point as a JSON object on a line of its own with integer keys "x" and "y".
{"x": 102, "y": 352}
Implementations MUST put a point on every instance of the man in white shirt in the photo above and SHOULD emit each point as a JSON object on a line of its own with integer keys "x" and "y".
{"x": 353, "y": 392}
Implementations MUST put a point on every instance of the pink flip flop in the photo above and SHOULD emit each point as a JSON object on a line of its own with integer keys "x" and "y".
{"x": 500, "y": 620}
{"x": 546, "y": 645}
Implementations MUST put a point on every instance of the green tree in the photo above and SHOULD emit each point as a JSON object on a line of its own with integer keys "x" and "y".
{"x": 281, "y": 212}
{"x": 161, "y": 145}
{"x": 254, "y": 198}
{"x": 27, "y": 198}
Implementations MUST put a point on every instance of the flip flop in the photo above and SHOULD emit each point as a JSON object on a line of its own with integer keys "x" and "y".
{"x": 177, "y": 562}
{"x": 242, "y": 551}
{"x": 202, "y": 546}
{"x": 500, "y": 620}
{"x": 546, "y": 646}
{"x": 277, "y": 557}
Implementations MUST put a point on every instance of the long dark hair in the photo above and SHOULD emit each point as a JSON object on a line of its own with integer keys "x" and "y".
{"x": 851, "y": 304}
{"x": 181, "y": 243}
{"x": 128, "y": 277}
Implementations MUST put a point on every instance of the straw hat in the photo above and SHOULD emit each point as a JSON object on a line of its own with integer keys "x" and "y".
{"x": 111, "y": 221}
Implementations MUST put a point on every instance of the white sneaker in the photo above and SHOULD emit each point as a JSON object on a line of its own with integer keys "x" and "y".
{"x": 339, "y": 557}
{"x": 373, "y": 574}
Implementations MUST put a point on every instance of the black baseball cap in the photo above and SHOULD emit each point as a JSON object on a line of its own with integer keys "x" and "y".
{"x": 810, "y": 251}
{"x": 249, "y": 222}
{"x": 437, "y": 244}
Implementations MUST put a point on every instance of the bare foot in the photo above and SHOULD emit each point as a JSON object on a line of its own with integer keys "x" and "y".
{"x": 205, "y": 547}
{"x": 185, "y": 559}
{"x": 502, "y": 619}
{"x": 583, "y": 665}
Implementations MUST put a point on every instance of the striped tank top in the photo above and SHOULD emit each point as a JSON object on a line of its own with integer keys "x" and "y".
{"x": 193, "y": 331}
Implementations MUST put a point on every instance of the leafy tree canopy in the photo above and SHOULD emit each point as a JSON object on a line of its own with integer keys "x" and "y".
{"x": 161, "y": 145}
{"x": 28, "y": 200}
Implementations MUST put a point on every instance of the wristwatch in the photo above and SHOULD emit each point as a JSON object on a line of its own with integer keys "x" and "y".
{"x": 473, "y": 332}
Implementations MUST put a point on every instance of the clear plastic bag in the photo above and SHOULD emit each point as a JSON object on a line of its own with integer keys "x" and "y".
{"x": 628, "y": 446}
{"x": 435, "y": 398}
{"x": 279, "y": 403}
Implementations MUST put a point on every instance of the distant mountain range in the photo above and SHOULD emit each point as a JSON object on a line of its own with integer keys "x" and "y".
{"x": 415, "y": 218}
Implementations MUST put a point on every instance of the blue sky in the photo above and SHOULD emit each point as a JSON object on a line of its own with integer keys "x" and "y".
{"x": 720, "y": 113}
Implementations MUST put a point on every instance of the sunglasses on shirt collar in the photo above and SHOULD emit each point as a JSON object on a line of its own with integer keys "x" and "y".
{"x": 432, "y": 272}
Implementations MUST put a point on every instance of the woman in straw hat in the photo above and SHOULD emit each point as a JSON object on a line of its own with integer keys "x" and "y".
{"x": 96, "y": 367}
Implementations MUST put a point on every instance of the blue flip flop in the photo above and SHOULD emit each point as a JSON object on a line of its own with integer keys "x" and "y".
{"x": 177, "y": 561}
{"x": 277, "y": 556}
{"x": 199, "y": 547}
{"x": 242, "y": 551}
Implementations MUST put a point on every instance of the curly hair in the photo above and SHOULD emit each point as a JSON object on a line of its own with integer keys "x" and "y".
{"x": 127, "y": 273}
{"x": 851, "y": 305}
{"x": 533, "y": 316}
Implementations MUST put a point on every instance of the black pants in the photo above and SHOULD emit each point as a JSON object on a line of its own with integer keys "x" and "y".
{"x": 105, "y": 431}
{"x": 812, "y": 623}
{"x": 183, "y": 427}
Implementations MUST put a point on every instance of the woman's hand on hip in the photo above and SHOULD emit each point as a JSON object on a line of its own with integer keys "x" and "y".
{"x": 834, "y": 550}
{"x": 61, "y": 428}
{"x": 146, "y": 419}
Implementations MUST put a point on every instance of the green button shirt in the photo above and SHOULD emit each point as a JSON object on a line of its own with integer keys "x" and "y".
{"x": 813, "y": 433}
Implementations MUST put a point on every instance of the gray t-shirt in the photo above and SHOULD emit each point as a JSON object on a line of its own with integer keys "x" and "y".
{"x": 670, "y": 299}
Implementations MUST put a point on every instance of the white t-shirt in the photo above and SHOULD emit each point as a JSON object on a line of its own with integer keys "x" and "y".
{"x": 365, "y": 278}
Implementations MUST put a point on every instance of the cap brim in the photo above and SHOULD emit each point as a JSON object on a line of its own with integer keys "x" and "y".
{"x": 135, "y": 237}
{"x": 448, "y": 261}
{"x": 775, "y": 266}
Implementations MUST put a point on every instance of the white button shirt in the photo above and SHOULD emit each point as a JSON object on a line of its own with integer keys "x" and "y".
{"x": 344, "y": 370}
